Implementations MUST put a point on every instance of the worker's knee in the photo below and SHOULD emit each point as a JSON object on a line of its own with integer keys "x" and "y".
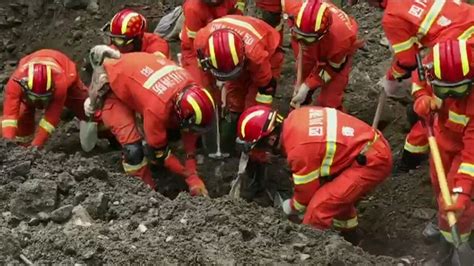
{"x": 133, "y": 153}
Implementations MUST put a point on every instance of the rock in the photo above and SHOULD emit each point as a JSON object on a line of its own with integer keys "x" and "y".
{"x": 65, "y": 182}
{"x": 142, "y": 228}
{"x": 80, "y": 217}
{"x": 80, "y": 4}
{"x": 168, "y": 239}
{"x": 3, "y": 23}
{"x": 44, "y": 217}
{"x": 304, "y": 257}
{"x": 77, "y": 35}
{"x": 36, "y": 8}
{"x": 9, "y": 245}
{"x": 62, "y": 214}
{"x": 424, "y": 213}
{"x": 93, "y": 7}
{"x": 34, "y": 221}
{"x": 10, "y": 219}
{"x": 97, "y": 205}
{"x": 79, "y": 197}
{"x": 32, "y": 197}
{"x": 21, "y": 169}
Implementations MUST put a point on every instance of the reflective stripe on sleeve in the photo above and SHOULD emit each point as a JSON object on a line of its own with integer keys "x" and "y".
{"x": 46, "y": 126}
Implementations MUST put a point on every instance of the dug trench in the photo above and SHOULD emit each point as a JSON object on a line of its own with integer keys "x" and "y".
{"x": 61, "y": 205}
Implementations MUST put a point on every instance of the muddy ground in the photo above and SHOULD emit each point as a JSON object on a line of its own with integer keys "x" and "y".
{"x": 61, "y": 205}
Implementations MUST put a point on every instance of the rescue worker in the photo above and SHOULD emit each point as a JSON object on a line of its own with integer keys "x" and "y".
{"x": 44, "y": 80}
{"x": 447, "y": 92}
{"x": 328, "y": 37}
{"x": 409, "y": 26}
{"x": 335, "y": 159}
{"x": 244, "y": 53}
{"x": 127, "y": 33}
{"x": 197, "y": 14}
{"x": 167, "y": 98}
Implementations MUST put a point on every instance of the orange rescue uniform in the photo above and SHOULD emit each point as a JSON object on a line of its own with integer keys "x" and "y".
{"x": 18, "y": 121}
{"x": 322, "y": 147}
{"x": 454, "y": 132}
{"x": 413, "y": 23}
{"x": 152, "y": 43}
{"x": 146, "y": 86}
{"x": 197, "y": 15}
{"x": 328, "y": 62}
{"x": 262, "y": 54}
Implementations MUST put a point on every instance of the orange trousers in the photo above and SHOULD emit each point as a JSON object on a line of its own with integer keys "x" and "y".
{"x": 334, "y": 203}
{"x": 416, "y": 141}
{"x": 449, "y": 146}
{"x": 240, "y": 93}
{"x": 120, "y": 119}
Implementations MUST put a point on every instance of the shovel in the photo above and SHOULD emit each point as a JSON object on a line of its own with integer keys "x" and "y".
{"x": 237, "y": 182}
{"x": 218, "y": 155}
{"x": 463, "y": 254}
{"x": 380, "y": 105}
{"x": 299, "y": 74}
{"x": 88, "y": 134}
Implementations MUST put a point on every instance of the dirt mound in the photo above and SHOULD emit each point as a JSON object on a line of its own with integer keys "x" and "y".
{"x": 107, "y": 217}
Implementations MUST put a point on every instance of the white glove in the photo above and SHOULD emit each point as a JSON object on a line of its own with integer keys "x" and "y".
{"x": 300, "y": 95}
{"x": 394, "y": 88}
{"x": 99, "y": 52}
{"x": 88, "y": 108}
{"x": 286, "y": 205}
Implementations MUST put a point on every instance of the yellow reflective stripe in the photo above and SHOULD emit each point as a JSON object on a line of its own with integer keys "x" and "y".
{"x": 467, "y": 34}
{"x": 338, "y": 65}
{"x": 405, "y": 45}
{"x": 415, "y": 87}
{"x": 241, "y": 24}
{"x": 298, "y": 206}
{"x": 31, "y": 74}
{"x": 300, "y": 14}
{"x": 331, "y": 137}
{"x": 49, "y": 78}
{"x": 240, "y": 6}
{"x": 157, "y": 75}
{"x": 396, "y": 74}
{"x": 196, "y": 108}
{"x": 304, "y": 179}
{"x": 436, "y": 62}
{"x": 24, "y": 139}
{"x": 210, "y": 97}
{"x": 415, "y": 149}
{"x": 191, "y": 34}
{"x": 325, "y": 76}
{"x": 46, "y": 125}
{"x": 466, "y": 168}
{"x": 212, "y": 52}
{"x": 449, "y": 237}
{"x": 126, "y": 20}
{"x": 264, "y": 98}
{"x": 9, "y": 123}
{"x": 464, "y": 58}
{"x": 158, "y": 53}
{"x": 233, "y": 50}
{"x": 319, "y": 17}
{"x": 430, "y": 17}
{"x": 130, "y": 169}
{"x": 458, "y": 119}
{"x": 346, "y": 224}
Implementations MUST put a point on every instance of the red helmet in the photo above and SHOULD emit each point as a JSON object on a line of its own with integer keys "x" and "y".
{"x": 452, "y": 72}
{"x": 256, "y": 123}
{"x": 378, "y": 3}
{"x": 38, "y": 84}
{"x": 224, "y": 54}
{"x": 195, "y": 108}
{"x": 126, "y": 27}
{"x": 313, "y": 21}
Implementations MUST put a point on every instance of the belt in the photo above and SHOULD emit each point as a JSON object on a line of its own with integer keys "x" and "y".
{"x": 361, "y": 158}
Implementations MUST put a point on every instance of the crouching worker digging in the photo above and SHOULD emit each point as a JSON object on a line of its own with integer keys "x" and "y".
{"x": 165, "y": 96}
{"x": 335, "y": 160}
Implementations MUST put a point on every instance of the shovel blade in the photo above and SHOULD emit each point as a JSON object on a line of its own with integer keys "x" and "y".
{"x": 88, "y": 135}
{"x": 463, "y": 255}
{"x": 235, "y": 189}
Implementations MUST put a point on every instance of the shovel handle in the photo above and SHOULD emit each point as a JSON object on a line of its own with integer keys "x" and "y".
{"x": 380, "y": 105}
{"x": 299, "y": 73}
{"x": 443, "y": 183}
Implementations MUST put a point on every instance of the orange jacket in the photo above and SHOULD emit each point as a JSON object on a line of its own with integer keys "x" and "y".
{"x": 197, "y": 15}
{"x": 332, "y": 51}
{"x": 408, "y": 24}
{"x": 455, "y": 130}
{"x": 321, "y": 142}
{"x": 64, "y": 78}
{"x": 148, "y": 86}
{"x": 152, "y": 43}
{"x": 273, "y": 6}
{"x": 261, "y": 42}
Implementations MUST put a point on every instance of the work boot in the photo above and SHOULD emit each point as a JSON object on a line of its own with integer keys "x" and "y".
{"x": 408, "y": 161}
{"x": 353, "y": 236}
{"x": 431, "y": 232}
